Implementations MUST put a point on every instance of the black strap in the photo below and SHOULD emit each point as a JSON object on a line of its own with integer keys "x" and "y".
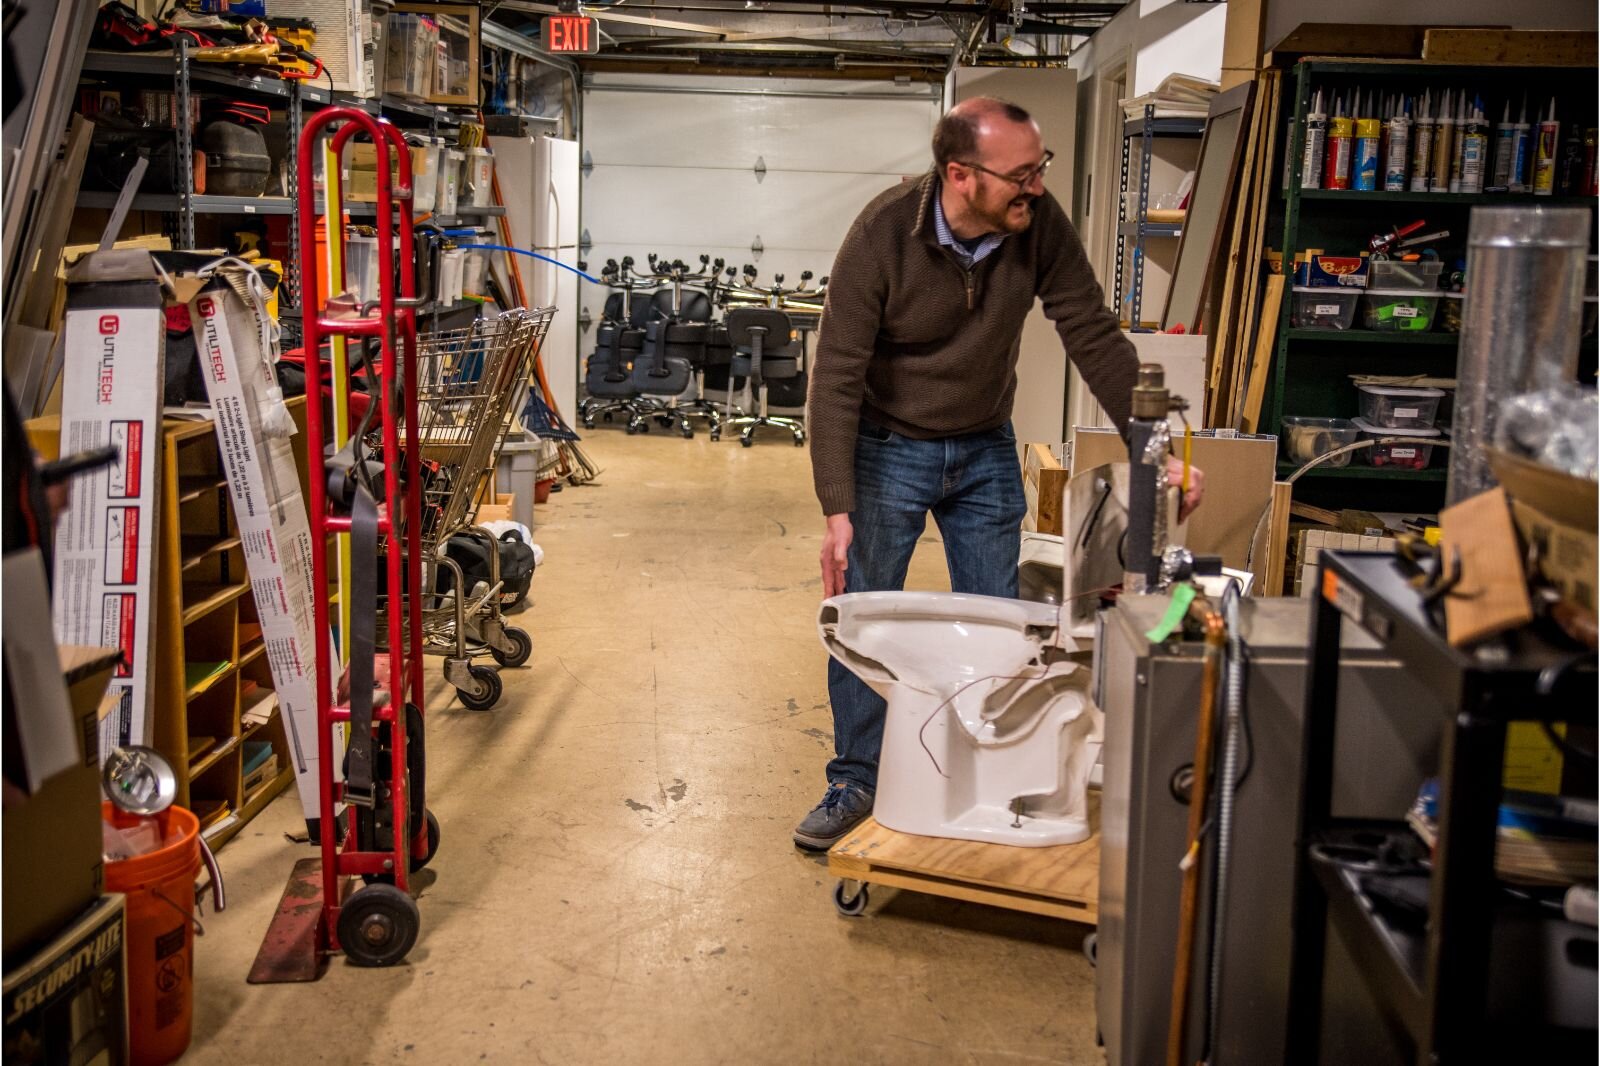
{"x": 358, "y": 790}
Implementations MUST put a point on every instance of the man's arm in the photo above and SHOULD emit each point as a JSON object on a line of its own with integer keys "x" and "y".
{"x": 1073, "y": 300}
{"x": 856, "y": 293}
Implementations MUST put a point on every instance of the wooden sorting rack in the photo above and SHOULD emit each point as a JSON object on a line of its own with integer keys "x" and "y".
{"x": 1062, "y": 881}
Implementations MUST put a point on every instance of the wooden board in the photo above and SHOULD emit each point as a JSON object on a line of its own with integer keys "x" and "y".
{"x": 1522, "y": 48}
{"x": 1278, "y": 538}
{"x": 1261, "y": 362}
{"x": 1058, "y": 882}
{"x": 1261, "y": 195}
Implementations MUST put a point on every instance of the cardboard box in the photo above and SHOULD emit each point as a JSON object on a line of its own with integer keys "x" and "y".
{"x": 51, "y": 840}
{"x": 360, "y": 181}
{"x": 69, "y": 1003}
{"x": 271, "y": 514}
{"x": 1239, "y": 470}
{"x": 114, "y": 340}
{"x": 1555, "y": 513}
{"x": 498, "y": 511}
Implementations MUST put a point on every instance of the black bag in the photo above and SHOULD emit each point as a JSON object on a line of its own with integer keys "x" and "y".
{"x": 469, "y": 552}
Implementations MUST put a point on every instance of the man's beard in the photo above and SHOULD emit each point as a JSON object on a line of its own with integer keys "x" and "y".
{"x": 1001, "y": 221}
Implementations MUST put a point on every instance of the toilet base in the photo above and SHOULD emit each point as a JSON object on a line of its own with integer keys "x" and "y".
{"x": 992, "y": 825}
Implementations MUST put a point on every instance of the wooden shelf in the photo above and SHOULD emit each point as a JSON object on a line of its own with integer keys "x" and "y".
{"x": 194, "y": 486}
{"x": 212, "y": 681}
{"x": 251, "y": 653}
{"x": 201, "y": 599}
{"x": 212, "y": 757}
{"x": 198, "y": 547}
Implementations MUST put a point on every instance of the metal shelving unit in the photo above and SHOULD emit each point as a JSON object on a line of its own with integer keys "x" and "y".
{"x": 1432, "y": 978}
{"x": 1139, "y": 228}
{"x": 1311, "y": 368}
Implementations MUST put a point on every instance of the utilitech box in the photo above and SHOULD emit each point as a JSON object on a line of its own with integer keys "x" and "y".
{"x": 114, "y": 343}
{"x": 270, "y": 511}
{"x": 69, "y": 1003}
{"x": 1331, "y": 271}
{"x": 1555, "y": 513}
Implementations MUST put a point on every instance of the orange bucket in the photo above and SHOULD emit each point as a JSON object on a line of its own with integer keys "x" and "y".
{"x": 160, "y": 934}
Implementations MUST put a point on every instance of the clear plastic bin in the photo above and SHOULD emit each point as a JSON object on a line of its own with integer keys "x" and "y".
{"x": 1394, "y": 274}
{"x": 1323, "y": 308}
{"x": 1306, "y": 437}
{"x": 1398, "y": 310}
{"x": 1400, "y": 407}
{"x": 477, "y": 188}
{"x": 410, "y": 42}
{"x": 1413, "y": 452}
{"x": 445, "y": 201}
{"x": 1451, "y": 305}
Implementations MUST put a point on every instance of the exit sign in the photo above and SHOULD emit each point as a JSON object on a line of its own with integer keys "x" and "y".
{"x": 571, "y": 33}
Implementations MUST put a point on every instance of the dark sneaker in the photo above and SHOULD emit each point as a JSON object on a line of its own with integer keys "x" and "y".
{"x": 840, "y": 810}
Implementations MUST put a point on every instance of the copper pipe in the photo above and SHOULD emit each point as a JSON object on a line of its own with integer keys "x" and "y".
{"x": 1216, "y": 636}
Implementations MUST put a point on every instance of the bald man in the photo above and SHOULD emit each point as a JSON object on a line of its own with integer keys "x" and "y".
{"x": 912, "y": 386}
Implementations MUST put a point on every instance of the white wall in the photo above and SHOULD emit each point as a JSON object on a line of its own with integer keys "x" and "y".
{"x": 1284, "y": 15}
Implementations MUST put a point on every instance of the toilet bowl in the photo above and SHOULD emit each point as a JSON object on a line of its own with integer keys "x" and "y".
{"x": 990, "y": 733}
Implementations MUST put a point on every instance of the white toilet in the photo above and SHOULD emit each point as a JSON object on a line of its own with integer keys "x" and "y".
{"x": 990, "y": 733}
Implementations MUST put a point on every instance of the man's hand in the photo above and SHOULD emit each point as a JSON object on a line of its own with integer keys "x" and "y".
{"x": 835, "y": 554}
{"x": 1197, "y": 486}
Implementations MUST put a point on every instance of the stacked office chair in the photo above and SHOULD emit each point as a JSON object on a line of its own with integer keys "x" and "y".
{"x": 608, "y": 378}
{"x": 764, "y": 352}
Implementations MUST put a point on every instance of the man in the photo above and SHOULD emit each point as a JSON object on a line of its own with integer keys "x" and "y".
{"x": 912, "y": 388}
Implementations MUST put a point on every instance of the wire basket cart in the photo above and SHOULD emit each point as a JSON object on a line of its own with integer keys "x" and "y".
{"x": 467, "y": 381}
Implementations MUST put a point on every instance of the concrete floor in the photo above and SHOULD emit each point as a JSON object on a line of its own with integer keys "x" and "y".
{"x": 616, "y": 881}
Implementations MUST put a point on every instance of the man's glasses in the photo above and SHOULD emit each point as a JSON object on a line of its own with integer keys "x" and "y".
{"x": 1025, "y": 180}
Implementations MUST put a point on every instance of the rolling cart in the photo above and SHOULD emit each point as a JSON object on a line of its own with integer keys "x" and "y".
{"x": 368, "y": 488}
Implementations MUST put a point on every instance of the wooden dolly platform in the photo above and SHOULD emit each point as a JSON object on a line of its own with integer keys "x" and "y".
{"x": 1062, "y": 881}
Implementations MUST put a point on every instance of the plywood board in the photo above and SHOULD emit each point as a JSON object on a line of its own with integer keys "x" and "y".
{"x": 1261, "y": 363}
{"x": 1253, "y": 250}
{"x": 1061, "y": 881}
{"x": 1277, "y": 538}
{"x": 1522, "y": 48}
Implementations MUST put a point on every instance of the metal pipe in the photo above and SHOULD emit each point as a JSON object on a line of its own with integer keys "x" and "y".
{"x": 1520, "y": 323}
{"x": 1227, "y": 787}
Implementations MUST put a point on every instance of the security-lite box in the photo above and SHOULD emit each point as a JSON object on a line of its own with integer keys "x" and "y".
{"x": 68, "y": 1004}
{"x": 271, "y": 514}
{"x": 114, "y": 347}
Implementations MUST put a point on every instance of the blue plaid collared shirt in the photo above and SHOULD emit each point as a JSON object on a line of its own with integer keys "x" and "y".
{"x": 941, "y": 230}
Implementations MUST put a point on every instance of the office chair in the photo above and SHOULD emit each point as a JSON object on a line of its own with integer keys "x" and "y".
{"x": 608, "y": 377}
{"x": 764, "y": 349}
{"x": 664, "y": 370}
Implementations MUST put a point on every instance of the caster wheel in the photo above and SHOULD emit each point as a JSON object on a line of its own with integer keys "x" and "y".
{"x": 746, "y": 441}
{"x": 688, "y": 434}
{"x": 799, "y": 442}
{"x": 486, "y": 693}
{"x": 631, "y": 429}
{"x": 850, "y": 906}
{"x": 664, "y": 421}
{"x": 716, "y": 434}
{"x": 1091, "y": 949}
{"x": 588, "y": 423}
{"x": 521, "y": 648}
{"x": 419, "y": 861}
{"x": 378, "y": 925}
{"x": 606, "y": 418}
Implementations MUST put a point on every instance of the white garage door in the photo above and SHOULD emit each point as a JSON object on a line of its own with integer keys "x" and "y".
{"x": 675, "y": 167}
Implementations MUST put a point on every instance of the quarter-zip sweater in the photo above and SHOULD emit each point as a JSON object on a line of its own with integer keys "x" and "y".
{"x": 914, "y": 341}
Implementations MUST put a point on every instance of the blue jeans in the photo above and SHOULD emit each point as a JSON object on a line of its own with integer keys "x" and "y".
{"x": 973, "y": 486}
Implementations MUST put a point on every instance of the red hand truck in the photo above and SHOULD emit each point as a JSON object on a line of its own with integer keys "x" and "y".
{"x": 368, "y": 488}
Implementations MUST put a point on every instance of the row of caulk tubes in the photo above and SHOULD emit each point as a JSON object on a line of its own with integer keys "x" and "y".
{"x": 1443, "y": 145}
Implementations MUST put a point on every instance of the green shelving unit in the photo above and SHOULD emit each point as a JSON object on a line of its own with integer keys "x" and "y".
{"x": 1311, "y": 369}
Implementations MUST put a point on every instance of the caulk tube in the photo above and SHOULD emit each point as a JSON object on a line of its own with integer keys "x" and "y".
{"x": 1394, "y": 165}
{"x": 1341, "y": 134}
{"x": 1474, "y": 146}
{"x": 1316, "y": 143}
{"x": 1544, "y": 167}
{"x": 1460, "y": 142}
{"x": 1366, "y": 164}
{"x": 1444, "y": 146}
{"x": 1522, "y": 150}
{"x": 1505, "y": 152}
{"x": 1422, "y": 144}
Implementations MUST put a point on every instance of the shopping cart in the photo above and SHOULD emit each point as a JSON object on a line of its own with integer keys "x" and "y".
{"x": 467, "y": 383}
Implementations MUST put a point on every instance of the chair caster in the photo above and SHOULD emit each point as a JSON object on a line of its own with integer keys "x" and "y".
{"x": 588, "y": 423}
{"x": 688, "y": 434}
{"x": 799, "y": 442}
{"x": 746, "y": 441}
{"x": 716, "y": 434}
{"x": 606, "y": 418}
{"x": 664, "y": 421}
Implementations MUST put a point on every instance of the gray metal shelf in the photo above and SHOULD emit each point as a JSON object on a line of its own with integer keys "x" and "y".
{"x": 203, "y": 205}
{"x": 1163, "y": 127}
{"x": 1151, "y": 229}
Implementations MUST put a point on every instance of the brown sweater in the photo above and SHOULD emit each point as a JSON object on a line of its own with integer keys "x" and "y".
{"x": 912, "y": 340}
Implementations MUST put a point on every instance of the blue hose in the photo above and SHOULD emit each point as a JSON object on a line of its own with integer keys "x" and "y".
{"x": 520, "y": 251}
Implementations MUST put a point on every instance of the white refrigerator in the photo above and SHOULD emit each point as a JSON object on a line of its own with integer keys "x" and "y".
{"x": 539, "y": 180}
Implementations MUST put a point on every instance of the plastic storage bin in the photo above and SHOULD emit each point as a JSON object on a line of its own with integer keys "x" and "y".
{"x": 1400, "y": 407}
{"x": 1393, "y": 274}
{"x": 1321, "y": 308}
{"x": 1451, "y": 305}
{"x": 446, "y": 200}
{"x": 477, "y": 187}
{"x": 1414, "y": 452}
{"x": 1306, "y": 437}
{"x": 410, "y": 44}
{"x": 1398, "y": 310}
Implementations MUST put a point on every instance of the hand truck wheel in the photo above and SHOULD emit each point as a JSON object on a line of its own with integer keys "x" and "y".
{"x": 521, "y": 648}
{"x": 486, "y": 693}
{"x": 850, "y": 906}
{"x": 378, "y": 925}
{"x": 420, "y": 861}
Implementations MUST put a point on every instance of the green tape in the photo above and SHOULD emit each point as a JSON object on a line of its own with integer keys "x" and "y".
{"x": 1182, "y": 597}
